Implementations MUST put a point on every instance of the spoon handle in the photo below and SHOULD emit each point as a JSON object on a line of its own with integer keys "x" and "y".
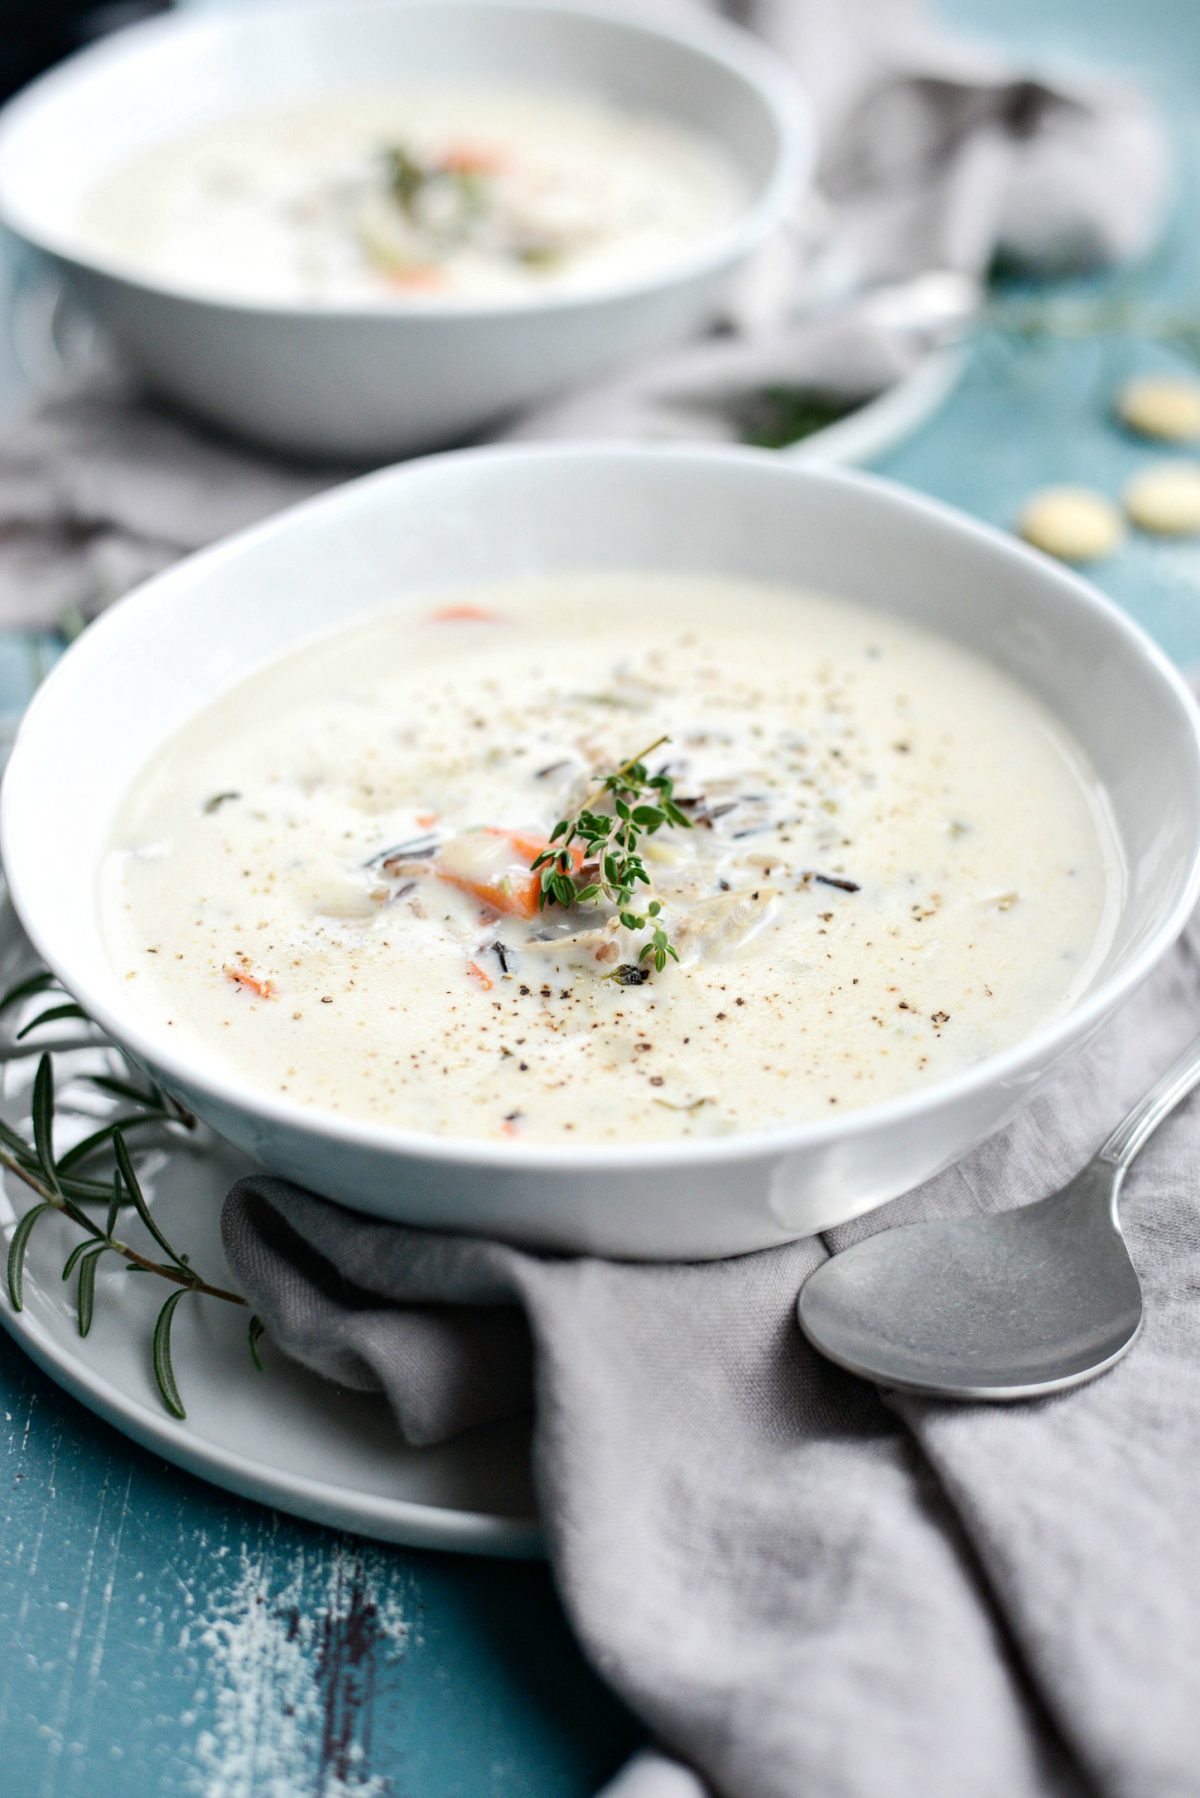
{"x": 1135, "y": 1130}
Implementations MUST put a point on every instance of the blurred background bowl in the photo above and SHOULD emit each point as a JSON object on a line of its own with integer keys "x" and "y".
{"x": 360, "y": 381}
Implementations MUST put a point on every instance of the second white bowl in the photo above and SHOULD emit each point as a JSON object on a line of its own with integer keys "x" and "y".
{"x": 371, "y": 382}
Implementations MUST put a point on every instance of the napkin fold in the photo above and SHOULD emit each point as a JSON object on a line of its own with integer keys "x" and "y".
{"x": 803, "y": 1586}
{"x": 932, "y": 156}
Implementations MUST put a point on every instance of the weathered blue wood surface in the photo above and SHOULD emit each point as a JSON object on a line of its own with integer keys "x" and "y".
{"x": 158, "y": 1638}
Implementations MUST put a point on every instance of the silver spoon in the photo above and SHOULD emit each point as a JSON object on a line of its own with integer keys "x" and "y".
{"x": 1013, "y": 1305}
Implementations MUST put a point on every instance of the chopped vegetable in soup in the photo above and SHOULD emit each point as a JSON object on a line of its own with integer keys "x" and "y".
{"x": 458, "y": 194}
{"x": 609, "y": 858}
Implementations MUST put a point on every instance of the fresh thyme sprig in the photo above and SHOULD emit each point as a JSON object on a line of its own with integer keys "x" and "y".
{"x": 59, "y": 1186}
{"x": 610, "y": 866}
{"x": 413, "y": 181}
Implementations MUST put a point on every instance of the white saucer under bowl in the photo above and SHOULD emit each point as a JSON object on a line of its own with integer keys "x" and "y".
{"x": 282, "y": 1436}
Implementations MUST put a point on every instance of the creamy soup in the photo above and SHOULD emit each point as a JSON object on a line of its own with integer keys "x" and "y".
{"x": 459, "y": 193}
{"x": 880, "y": 860}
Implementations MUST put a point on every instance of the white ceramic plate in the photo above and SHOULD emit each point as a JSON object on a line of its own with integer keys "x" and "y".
{"x": 52, "y": 339}
{"x": 887, "y": 420}
{"x": 271, "y": 1436}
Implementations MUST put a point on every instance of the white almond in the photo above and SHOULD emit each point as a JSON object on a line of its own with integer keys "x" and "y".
{"x": 1166, "y": 499}
{"x": 1073, "y": 523}
{"x": 1161, "y": 406}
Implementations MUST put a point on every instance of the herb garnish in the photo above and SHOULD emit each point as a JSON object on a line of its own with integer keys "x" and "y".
{"x": 414, "y": 183}
{"x": 406, "y": 176}
{"x": 59, "y": 1185}
{"x": 612, "y": 869}
{"x": 776, "y": 417}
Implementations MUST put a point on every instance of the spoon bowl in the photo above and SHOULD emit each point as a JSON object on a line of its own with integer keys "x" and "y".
{"x": 1015, "y": 1304}
{"x": 1009, "y": 1306}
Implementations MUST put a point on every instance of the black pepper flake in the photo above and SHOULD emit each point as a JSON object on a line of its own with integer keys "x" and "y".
{"x": 941, "y": 1017}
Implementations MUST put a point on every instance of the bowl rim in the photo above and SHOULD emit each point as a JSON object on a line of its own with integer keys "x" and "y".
{"x": 1041, "y": 1047}
{"x": 735, "y": 50}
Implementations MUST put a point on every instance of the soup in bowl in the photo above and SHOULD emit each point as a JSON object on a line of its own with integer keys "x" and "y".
{"x": 492, "y": 192}
{"x": 655, "y": 852}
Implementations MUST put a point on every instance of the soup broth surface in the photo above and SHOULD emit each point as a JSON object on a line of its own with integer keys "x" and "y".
{"x": 456, "y": 193}
{"x": 895, "y": 864}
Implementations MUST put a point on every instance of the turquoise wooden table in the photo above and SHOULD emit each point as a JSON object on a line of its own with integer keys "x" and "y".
{"x": 158, "y": 1637}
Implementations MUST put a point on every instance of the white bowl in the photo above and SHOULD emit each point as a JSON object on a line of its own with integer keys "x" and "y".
{"x": 476, "y": 515}
{"x": 370, "y": 381}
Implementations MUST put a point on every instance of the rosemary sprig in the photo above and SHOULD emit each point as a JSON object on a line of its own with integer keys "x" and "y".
{"x": 59, "y": 1187}
{"x": 1177, "y": 328}
{"x": 611, "y": 867}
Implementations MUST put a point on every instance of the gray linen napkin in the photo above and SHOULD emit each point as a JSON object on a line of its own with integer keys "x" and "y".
{"x": 805, "y": 1589}
{"x": 932, "y": 157}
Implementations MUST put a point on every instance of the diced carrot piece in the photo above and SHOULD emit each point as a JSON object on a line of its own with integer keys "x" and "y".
{"x": 530, "y": 847}
{"x": 464, "y": 614}
{"x": 425, "y": 819}
{"x": 417, "y": 275}
{"x": 517, "y": 898}
{"x": 264, "y": 988}
{"x": 515, "y": 895}
{"x": 509, "y": 1128}
{"x": 473, "y": 159}
{"x": 477, "y": 973}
